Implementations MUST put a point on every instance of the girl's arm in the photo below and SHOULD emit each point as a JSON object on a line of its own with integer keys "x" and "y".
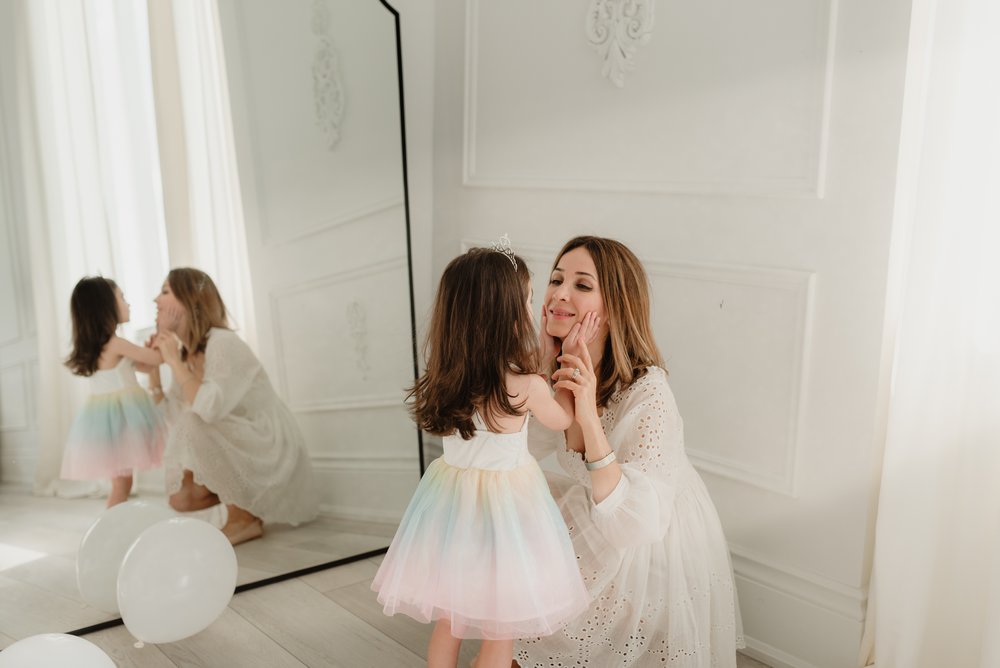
{"x": 155, "y": 382}
{"x": 555, "y": 412}
{"x": 147, "y": 356}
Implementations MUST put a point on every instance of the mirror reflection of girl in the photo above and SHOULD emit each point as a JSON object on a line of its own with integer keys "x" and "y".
{"x": 482, "y": 549}
{"x": 118, "y": 430}
{"x": 230, "y": 437}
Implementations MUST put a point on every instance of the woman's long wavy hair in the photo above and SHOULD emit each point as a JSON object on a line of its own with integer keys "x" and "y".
{"x": 196, "y": 292}
{"x": 93, "y": 308}
{"x": 481, "y": 329}
{"x": 630, "y": 347}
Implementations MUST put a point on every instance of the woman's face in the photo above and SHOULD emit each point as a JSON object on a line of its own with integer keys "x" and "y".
{"x": 573, "y": 292}
{"x": 169, "y": 308}
{"x": 124, "y": 310}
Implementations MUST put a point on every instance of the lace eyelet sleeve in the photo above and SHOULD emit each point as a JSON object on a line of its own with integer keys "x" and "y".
{"x": 646, "y": 433}
{"x": 230, "y": 370}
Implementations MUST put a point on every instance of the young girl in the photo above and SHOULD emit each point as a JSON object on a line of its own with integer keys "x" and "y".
{"x": 119, "y": 430}
{"x": 482, "y": 548}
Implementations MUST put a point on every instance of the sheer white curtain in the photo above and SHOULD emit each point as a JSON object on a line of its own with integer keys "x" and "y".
{"x": 205, "y": 222}
{"x": 98, "y": 185}
{"x": 935, "y": 598}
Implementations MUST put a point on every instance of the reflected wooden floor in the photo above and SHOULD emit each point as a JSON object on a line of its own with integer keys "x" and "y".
{"x": 39, "y": 537}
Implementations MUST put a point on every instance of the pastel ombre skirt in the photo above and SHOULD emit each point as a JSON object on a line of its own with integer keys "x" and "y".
{"x": 115, "y": 433}
{"x": 484, "y": 548}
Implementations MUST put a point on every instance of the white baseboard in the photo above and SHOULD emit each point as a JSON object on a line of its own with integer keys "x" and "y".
{"x": 796, "y": 619}
{"x": 360, "y": 514}
{"x": 773, "y": 656}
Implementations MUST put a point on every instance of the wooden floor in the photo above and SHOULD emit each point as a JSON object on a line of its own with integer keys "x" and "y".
{"x": 326, "y": 619}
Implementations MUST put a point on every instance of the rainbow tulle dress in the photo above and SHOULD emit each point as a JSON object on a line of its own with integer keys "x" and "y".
{"x": 118, "y": 431}
{"x": 483, "y": 545}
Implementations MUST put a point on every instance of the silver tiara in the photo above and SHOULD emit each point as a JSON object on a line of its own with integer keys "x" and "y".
{"x": 502, "y": 245}
{"x": 201, "y": 281}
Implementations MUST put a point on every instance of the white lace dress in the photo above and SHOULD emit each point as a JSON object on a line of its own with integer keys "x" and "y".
{"x": 652, "y": 554}
{"x": 238, "y": 437}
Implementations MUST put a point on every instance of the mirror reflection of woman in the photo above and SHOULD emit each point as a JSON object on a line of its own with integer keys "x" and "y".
{"x": 231, "y": 439}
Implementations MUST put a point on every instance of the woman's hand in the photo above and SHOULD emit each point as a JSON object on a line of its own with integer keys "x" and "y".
{"x": 582, "y": 334}
{"x": 577, "y": 375}
{"x": 169, "y": 318}
{"x": 169, "y": 345}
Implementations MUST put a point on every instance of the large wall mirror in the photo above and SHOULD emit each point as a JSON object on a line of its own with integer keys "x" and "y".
{"x": 314, "y": 88}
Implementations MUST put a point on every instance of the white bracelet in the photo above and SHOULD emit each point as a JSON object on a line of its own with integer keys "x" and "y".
{"x": 600, "y": 463}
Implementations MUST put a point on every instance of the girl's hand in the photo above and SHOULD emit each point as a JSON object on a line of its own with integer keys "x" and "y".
{"x": 169, "y": 345}
{"x": 548, "y": 345}
{"x": 147, "y": 368}
{"x": 577, "y": 375}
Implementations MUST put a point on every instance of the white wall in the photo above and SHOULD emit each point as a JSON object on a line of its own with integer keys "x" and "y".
{"x": 750, "y": 161}
{"x": 18, "y": 339}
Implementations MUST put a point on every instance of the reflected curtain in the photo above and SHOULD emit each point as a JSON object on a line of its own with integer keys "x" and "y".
{"x": 935, "y": 595}
{"x": 97, "y": 184}
{"x": 205, "y": 225}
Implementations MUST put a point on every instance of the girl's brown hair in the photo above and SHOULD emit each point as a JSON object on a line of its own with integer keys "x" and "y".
{"x": 481, "y": 329}
{"x": 93, "y": 308}
{"x": 630, "y": 347}
{"x": 197, "y": 293}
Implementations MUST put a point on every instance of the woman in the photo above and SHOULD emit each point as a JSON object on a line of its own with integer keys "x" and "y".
{"x": 230, "y": 438}
{"x": 648, "y": 539}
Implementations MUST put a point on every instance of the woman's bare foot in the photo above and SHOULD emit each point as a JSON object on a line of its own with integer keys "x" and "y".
{"x": 242, "y": 526}
{"x": 192, "y": 496}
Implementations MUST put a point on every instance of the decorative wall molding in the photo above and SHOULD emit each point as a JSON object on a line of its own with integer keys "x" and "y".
{"x": 811, "y": 184}
{"x": 360, "y": 402}
{"x": 328, "y": 87}
{"x": 277, "y": 295}
{"x": 616, "y": 29}
{"x": 798, "y": 285}
{"x": 327, "y": 224}
{"x": 403, "y": 461}
{"x": 840, "y": 599}
{"x": 817, "y": 622}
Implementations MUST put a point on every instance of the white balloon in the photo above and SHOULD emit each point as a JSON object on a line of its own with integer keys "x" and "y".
{"x": 54, "y": 650}
{"x": 104, "y": 546}
{"x": 176, "y": 579}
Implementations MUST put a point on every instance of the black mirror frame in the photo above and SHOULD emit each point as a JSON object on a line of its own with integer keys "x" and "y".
{"x": 413, "y": 344}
